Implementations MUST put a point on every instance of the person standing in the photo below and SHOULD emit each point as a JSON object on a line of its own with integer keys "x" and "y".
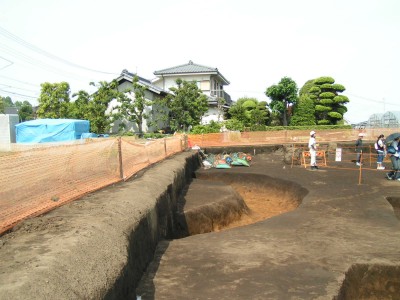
{"x": 359, "y": 147}
{"x": 312, "y": 146}
{"x": 380, "y": 150}
{"x": 394, "y": 158}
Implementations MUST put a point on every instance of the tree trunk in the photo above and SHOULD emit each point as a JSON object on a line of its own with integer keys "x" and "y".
{"x": 285, "y": 113}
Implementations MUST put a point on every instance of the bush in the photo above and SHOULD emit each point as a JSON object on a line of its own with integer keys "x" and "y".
{"x": 341, "y": 99}
{"x": 322, "y": 80}
{"x": 327, "y": 95}
{"x": 154, "y": 135}
{"x": 308, "y": 127}
{"x": 234, "y": 124}
{"x": 213, "y": 127}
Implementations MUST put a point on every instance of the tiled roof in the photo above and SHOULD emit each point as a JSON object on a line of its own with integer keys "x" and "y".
{"x": 190, "y": 68}
{"x": 125, "y": 74}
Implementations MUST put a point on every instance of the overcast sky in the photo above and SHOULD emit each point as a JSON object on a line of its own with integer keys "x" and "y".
{"x": 252, "y": 43}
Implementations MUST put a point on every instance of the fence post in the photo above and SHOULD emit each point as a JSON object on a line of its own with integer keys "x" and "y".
{"x": 121, "y": 170}
{"x": 361, "y": 163}
{"x": 165, "y": 147}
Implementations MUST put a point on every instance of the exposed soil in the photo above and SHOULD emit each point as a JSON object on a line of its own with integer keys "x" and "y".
{"x": 291, "y": 248}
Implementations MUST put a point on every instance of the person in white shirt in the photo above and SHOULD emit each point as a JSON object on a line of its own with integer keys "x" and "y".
{"x": 380, "y": 150}
{"x": 312, "y": 146}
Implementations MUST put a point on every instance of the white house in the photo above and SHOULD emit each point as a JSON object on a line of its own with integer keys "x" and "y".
{"x": 125, "y": 84}
{"x": 209, "y": 80}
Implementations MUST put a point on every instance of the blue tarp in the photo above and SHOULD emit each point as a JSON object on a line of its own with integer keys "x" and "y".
{"x": 50, "y": 130}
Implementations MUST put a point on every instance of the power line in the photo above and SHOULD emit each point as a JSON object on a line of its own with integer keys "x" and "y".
{"x": 13, "y": 87}
{"x": 372, "y": 100}
{"x": 16, "y": 80}
{"x": 19, "y": 55}
{"x": 30, "y": 46}
{"x": 10, "y": 63}
{"x": 27, "y": 96}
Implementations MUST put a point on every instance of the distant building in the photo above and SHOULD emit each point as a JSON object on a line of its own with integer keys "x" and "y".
{"x": 390, "y": 119}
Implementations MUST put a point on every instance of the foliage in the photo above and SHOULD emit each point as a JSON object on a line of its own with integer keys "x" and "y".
{"x": 322, "y": 108}
{"x": 154, "y": 135}
{"x": 327, "y": 95}
{"x": 329, "y": 105}
{"x": 335, "y": 115}
{"x": 186, "y": 105}
{"x": 250, "y": 111}
{"x": 324, "y": 79}
{"x": 341, "y": 99}
{"x": 159, "y": 117}
{"x": 234, "y": 124}
{"x": 306, "y": 87}
{"x": 304, "y": 112}
{"x": 132, "y": 106}
{"x": 213, "y": 127}
{"x": 54, "y": 100}
{"x": 282, "y": 96}
{"x": 2, "y": 105}
{"x": 25, "y": 111}
{"x": 97, "y": 106}
{"x": 79, "y": 109}
{"x": 311, "y": 127}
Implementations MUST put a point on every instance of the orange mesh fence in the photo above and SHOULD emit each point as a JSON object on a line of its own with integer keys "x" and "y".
{"x": 236, "y": 138}
{"x": 37, "y": 178}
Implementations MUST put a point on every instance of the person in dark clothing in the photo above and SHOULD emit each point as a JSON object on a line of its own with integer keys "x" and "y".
{"x": 359, "y": 148}
{"x": 394, "y": 158}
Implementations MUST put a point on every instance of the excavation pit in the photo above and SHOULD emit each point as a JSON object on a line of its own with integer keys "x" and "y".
{"x": 216, "y": 201}
{"x": 371, "y": 282}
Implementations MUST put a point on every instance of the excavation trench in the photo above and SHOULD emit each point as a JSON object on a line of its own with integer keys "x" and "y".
{"x": 218, "y": 201}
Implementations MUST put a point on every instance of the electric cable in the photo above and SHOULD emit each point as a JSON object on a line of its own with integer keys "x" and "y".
{"x": 32, "y": 47}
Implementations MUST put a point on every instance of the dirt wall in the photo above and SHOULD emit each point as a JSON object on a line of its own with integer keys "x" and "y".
{"x": 99, "y": 246}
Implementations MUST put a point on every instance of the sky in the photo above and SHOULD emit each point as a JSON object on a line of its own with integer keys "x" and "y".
{"x": 253, "y": 43}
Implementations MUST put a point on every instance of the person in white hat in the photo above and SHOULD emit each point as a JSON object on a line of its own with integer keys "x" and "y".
{"x": 359, "y": 148}
{"x": 312, "y": 146}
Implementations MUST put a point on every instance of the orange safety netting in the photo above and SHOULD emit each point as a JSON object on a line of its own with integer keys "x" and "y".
{"x": 236, "y": 138}
{"x": 37, "y": 178}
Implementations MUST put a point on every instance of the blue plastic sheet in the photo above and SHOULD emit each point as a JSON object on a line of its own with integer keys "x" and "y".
{"x": 50, "y": 130}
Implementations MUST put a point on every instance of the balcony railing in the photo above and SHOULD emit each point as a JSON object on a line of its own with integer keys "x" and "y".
{"x": 221, "y": 94}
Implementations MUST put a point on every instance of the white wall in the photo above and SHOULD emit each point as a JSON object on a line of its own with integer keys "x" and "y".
{"x": 7, "y": 130}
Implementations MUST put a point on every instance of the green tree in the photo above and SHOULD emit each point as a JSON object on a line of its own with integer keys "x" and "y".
{"x": 250, "y": 112}
{"x": 97, "y": 115}
{"x": 2, "y": 105}
{"x": 186, "y": 105}
{"x": 79, "y": 108}
{"x": 54, "y": 100}
{"x": 282, "y": 96}
{"x": 25, "y": 111}
{"x": 133, "y": 107}
{"x": 330, "y": 106}
{"x": 304, "y": 112}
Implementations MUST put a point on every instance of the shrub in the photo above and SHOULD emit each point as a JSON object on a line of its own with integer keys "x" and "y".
{"x": 322, "y": 80}
{"x": 327, "y": 95}
{"x": 213, "y": 127}
{"x": 154, "y": 135}
{"x": 234, "y": 124}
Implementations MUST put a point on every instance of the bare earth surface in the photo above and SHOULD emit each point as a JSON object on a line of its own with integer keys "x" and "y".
{"x": 304, "y": 231}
